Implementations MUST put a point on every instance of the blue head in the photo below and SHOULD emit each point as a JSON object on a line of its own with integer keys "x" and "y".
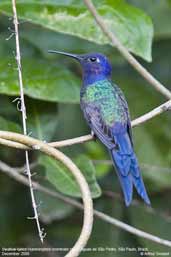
{"x": 95, "y": 66}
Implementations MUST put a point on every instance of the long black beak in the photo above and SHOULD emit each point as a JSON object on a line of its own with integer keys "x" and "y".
{"x": 75, "y": 56}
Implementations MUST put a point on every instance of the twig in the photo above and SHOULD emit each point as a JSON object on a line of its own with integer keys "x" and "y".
{"x": 82, "y": 139}
{"x": 116, "y": 43}
{"x": 4, "y": 167}
{"x": 148, "y": 116}
{"x": 23, "y": 110}
{"x": 142, "y": 119}
{"x": 13, "y": 144}
{"x": 72, "y": 141}
{"x": 86, "y": 195}
{"x": 20, "y": 178}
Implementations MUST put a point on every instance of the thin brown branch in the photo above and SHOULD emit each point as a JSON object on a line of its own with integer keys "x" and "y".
{"x": 125, "y": 53}
{"x": 148, "y": 116}
{"x": 23, "y": 110}
{"x": 142, "y": 119}
{"x": 82, "y": 139}
{"x": 86, "y": 195}
{"x": 22, "y": 179}
{"x": 72, "y": 141}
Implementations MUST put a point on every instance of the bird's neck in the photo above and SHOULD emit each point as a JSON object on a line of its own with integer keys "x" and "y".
{"x": 89, "y": 79}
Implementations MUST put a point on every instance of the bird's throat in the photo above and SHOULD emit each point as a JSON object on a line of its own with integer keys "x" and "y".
{"x": 90, "y": 78}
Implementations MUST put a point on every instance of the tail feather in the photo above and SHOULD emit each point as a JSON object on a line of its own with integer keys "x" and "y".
{"x": 127, "y": 169}
{"x": 127, "y": 187}
{"x": 140, "y": 187}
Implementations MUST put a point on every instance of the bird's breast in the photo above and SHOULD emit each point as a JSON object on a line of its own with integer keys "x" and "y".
{"x": 104, "y": 98}
{"x": 97, "y": 92}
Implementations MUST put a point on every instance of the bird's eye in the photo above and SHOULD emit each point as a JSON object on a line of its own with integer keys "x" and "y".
{"x": 93, "y": 59}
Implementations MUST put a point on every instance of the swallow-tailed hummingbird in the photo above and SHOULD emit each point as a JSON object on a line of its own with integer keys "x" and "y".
{"x": 106, "y": 112}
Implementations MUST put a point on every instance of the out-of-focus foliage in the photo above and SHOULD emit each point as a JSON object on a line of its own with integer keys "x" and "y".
{"x": 64, "y": 17}
{"x": 52, "y": 85}
{"x": 63, "y": 179}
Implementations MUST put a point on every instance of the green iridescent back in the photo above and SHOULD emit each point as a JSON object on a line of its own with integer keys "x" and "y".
{"x": 108, "y": 99}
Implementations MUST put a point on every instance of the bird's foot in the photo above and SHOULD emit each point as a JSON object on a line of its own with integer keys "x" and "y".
{"x": 93, "y": 135}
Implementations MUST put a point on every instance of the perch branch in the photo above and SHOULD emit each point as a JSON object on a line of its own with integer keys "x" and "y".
{"x": 125, "y": 53}
{"x": 148, "y": 116}
{"x": 23, "y": 110}
{"x": 142, "y": 119}
{"x": 22, "y": 179}
{"x": 86, "y": 195}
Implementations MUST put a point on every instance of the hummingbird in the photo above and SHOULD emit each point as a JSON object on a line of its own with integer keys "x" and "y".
{"x": 106, "y": 111}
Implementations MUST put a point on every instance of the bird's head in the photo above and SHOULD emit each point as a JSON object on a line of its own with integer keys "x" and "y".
{"x": 95, "y": 65}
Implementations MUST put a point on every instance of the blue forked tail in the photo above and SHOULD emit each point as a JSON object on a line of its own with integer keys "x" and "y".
{"x": 127, "y": 169}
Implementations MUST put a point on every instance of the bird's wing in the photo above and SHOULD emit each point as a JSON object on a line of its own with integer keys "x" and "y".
{"x": 93, "y": 115}
{"x": 124, "y": 102}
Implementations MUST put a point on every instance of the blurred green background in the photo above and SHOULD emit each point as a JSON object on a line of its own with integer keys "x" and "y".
{"x": 52, "y": 85}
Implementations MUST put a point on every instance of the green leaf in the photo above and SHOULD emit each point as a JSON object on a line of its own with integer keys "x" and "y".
{"x": 60, "y": 177}
{"x": 87, "y": 168}
{"x": 131, "y": 25}
{"x": 48, "y": 39}
{"x": 42, "y": 80}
